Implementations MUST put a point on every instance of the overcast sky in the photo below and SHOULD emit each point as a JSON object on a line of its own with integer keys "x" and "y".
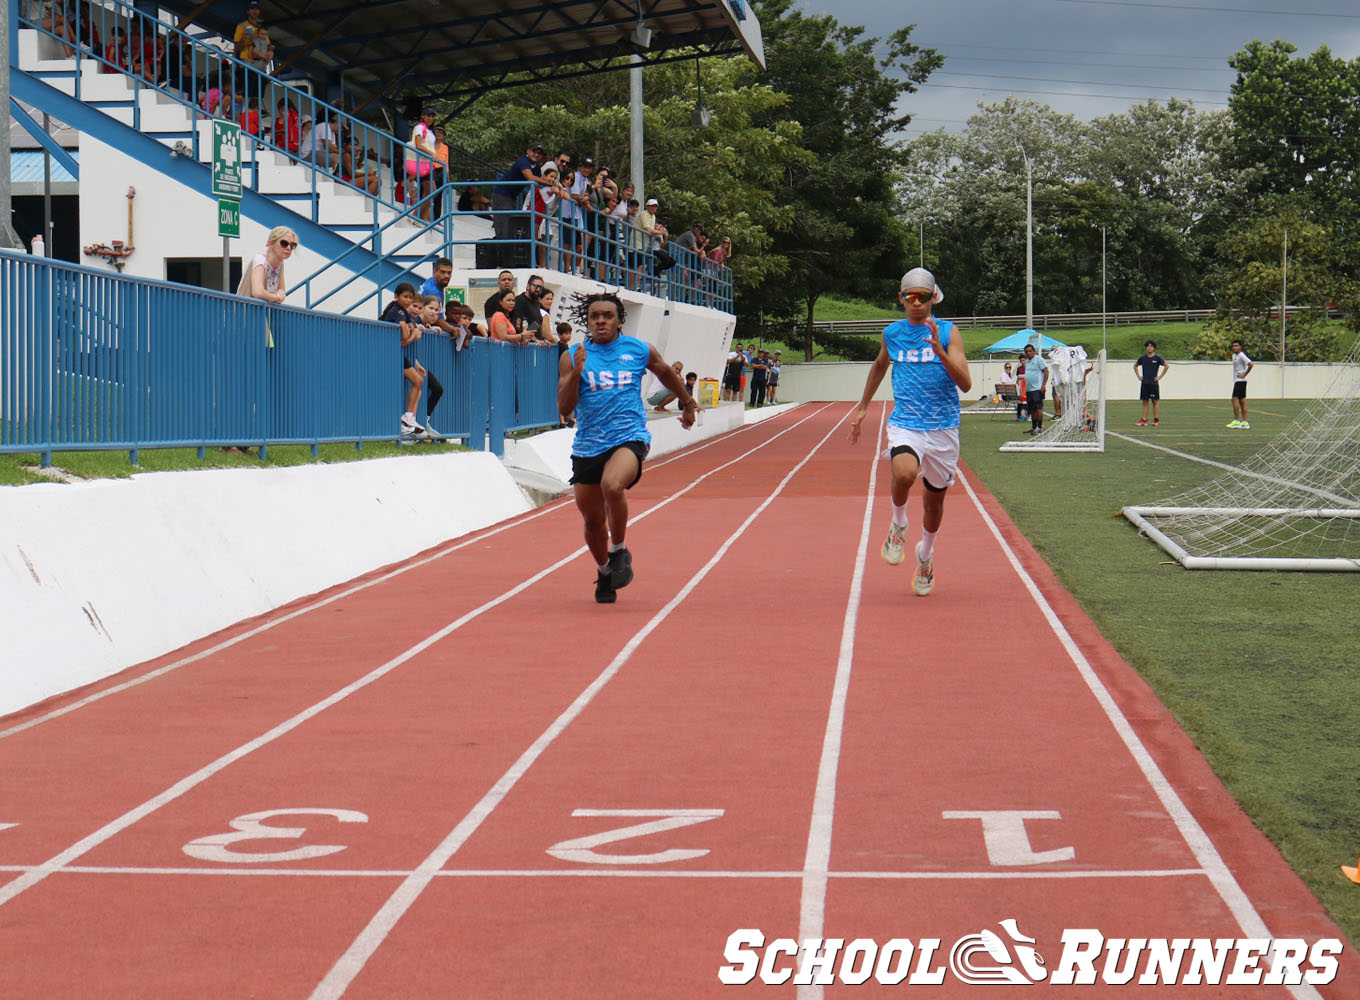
{"x": 1090, "y": 57}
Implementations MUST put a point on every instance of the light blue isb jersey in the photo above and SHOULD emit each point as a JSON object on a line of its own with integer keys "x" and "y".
{"x": 926, "y": 397}
{"x": 609, "y": 410}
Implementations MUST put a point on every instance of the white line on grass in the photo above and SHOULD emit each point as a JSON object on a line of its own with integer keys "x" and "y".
{"x": 1232, "y": 894}
{"x": 349, "y": 592}
{"x": 812, "y": 906}
{"x": 372, "y": 936}
{"x": 36, "y": 874}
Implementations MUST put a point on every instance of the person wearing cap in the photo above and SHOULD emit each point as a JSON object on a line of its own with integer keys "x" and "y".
{"x": 246, "y": 34}
{"x": 509, "y": 193}
{"x": 654, "y": 239}
{"x": 420, "y": 161}
{"x": 929, "y": 368}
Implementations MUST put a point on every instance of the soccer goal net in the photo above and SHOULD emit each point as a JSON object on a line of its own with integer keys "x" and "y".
{"x": 1294, "y": 505}
{"x": 1077, "y": 395}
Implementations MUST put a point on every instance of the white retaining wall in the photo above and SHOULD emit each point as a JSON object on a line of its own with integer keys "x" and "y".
{"x": 97, "y": 576}
{"x": 1184, "y": 380}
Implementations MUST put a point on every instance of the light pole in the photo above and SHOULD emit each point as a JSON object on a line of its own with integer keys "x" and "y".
{"x": 1103, "y": 345}
{"x": 1029, "y": 240}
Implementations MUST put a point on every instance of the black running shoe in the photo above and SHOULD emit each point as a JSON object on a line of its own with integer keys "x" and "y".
{"x": 621, "y": 568}
{"x": 604, "y": 588}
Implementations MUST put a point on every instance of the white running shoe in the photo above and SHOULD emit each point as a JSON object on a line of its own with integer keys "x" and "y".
{"x": 924, "y": 580}
{"x": 894, "y": 549}
{"x": 430, "y": 429}
{"x": 409, "y": 426}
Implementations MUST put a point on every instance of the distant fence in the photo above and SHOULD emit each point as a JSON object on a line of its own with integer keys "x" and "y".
{"x": 1047, "y": 321}
{"x": 93, "y": 361}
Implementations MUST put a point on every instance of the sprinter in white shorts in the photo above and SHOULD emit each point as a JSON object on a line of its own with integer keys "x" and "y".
{"x": 928, "y": 370}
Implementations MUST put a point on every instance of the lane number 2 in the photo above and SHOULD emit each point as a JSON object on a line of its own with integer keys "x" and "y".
{"x": 583, "y": 849}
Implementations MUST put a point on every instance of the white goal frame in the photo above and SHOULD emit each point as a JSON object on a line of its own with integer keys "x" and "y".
{"x": 1063, "y": 434}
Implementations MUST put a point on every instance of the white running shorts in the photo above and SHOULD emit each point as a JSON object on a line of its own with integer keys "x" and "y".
{"x": 937, "y": 450}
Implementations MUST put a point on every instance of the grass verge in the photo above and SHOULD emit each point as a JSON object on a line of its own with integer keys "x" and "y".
{"x": 1259, "y": 668}
{"x": 19, "y": 469}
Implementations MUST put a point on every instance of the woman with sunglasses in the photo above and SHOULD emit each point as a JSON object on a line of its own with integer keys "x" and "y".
{"x": 928, "y": 370}
{"x": 263, "y": 278}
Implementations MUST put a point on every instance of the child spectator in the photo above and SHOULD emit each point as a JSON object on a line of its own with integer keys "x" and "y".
{"x": 116, "y": 53}
{"x": 250, "y": 120}
{"x": 398, "y": 313}
{"x": 287, "y": 130}
{"x": 264, "y": 50}
{"x": 428, "y": 320}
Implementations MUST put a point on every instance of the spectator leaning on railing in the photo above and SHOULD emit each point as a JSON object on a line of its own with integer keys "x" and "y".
{"x": 263, "y": 277}
{"x": 507, "y": 195}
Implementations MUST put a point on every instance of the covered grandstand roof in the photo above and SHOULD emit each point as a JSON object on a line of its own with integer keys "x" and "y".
{"x": 460, "y": 49}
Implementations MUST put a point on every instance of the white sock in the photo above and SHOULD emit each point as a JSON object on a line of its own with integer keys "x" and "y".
{"x": 408, "y": 415}
{"x": 900, "y": 515}
{"x": 616, "y": 546}
{"x": 927, "y": 545}
{"x": 603, "y": 567}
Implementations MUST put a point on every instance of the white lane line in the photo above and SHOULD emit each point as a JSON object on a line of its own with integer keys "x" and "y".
{"x": 402, "y": 873}
{"x": 372, "y": 936}
{"x": 36, "y": 874}
{"x": 404, "y": 568}
{"x": 812, "y": 904}
{"x": 1206, "y": 854}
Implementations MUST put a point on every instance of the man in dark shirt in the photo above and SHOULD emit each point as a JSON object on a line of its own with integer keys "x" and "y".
{"x": 527, "y": 307}
{"x": 1150, "y": 368}
{"x": 507, "y": 195}
{"x": 736, "y": 361}
{"x": 760, "y": 368}
{"x": 505, "y": 282}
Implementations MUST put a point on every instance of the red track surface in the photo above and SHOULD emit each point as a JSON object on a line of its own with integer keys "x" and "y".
{"x": 765, "y": 671}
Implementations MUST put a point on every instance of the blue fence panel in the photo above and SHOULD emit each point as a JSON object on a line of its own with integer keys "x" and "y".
{"x": 535, "y": 387}
{"x": 93, "y": 360}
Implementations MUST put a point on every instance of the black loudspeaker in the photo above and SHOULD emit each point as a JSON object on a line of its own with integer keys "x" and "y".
{"x": 519, "y": 227}
{"x": 515, "y": 255}
{"x": 488, "y": 255}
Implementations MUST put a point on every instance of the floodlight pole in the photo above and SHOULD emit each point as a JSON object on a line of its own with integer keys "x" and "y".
{"x": 1103, "y": 344}
{"x": 1284, "y": 299}
{"x": 1029, "y": 242}
{"x": 9, "y": 239}
{"x": 635, "y": 128}
{"x": 922, "y": 224}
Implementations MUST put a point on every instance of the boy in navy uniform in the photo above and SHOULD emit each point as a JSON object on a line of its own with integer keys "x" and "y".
{"x": 928, "y": 370}
{"x": 1151, "y": 367}
{"x": 601, "y": 380}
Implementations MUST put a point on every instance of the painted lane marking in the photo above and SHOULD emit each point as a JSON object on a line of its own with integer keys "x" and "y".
{"x": 371, "y": 938}
{"x": 1203, "y": 849}
{"x": 1006, "y": 839}
{"x": 251, "y": 826}
{"x": 582, "y": 849}
{"x": 395, "y": 873}
{"x": 812, "y": 903}
{"x": 36, "y": 874}
{"x": 404, "y": 568}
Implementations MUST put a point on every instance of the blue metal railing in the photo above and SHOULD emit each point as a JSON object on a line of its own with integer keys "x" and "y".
{"x": 368, "y": 159}
{"x": 610, "y": 250}
{"x": 96, "y": 361}
{"x": 213, "y": 83}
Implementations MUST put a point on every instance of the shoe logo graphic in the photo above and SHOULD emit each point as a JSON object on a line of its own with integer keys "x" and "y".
{"x": 986, "y": 958}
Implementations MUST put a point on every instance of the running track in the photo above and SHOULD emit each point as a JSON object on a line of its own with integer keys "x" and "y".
{"x": 442, "y": 749}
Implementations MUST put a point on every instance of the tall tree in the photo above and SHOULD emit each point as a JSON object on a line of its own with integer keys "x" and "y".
{"x": 1298, "y": 121}
{"x": 846, "y": 91}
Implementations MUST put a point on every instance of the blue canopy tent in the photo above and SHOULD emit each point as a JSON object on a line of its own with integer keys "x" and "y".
{"x": 1015, "y": 343}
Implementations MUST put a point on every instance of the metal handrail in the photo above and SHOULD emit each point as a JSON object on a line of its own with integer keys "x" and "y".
{"x": 212, "y": 74}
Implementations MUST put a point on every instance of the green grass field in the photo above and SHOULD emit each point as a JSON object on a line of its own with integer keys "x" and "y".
{"x": 1259, "y": 668}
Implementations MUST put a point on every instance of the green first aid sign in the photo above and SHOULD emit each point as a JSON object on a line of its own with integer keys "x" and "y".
{"x": 226, "y": 161}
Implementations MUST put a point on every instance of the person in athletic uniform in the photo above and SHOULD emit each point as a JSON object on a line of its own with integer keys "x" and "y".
{"x": 601, "y": 380}
{"x": 929, "y": 369}
{"x": 1241, "y": 366}
{"x": 1151, "y": 368}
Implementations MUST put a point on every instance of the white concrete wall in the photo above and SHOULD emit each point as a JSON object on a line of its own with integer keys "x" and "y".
{"x": 1184, "y": 380}
{"x": 694, "y": 335}
{"x": 97, "y": 576}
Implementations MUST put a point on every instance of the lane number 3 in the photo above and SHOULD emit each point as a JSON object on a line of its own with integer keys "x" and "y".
{"x": 252, "y": 826}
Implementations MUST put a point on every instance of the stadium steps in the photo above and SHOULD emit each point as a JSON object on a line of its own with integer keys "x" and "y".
{"x": 321, "y": 210}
